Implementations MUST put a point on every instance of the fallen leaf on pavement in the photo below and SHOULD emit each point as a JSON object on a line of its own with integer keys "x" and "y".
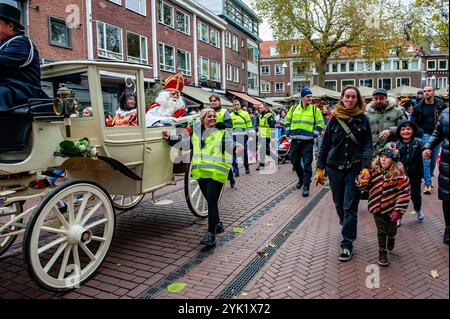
{"x": 271, "y": 245}
{"x": 434, "y": 273}
{"x": 262, "y": 253}
{"x": 176, "y": 287}
{"x": 238, "y": 229}
{"x": 413, "y": 212}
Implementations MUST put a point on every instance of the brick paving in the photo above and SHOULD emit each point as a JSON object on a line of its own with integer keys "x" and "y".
{"x": 152, "y": 242}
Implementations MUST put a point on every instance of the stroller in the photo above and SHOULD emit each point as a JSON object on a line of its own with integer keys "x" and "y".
{"x": 284, "y": 146}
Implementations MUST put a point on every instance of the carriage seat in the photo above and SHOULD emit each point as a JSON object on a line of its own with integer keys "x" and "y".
{"x": 15, "y": 124}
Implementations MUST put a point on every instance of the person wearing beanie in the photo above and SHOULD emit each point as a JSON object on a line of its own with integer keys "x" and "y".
{"x": 304, "y": 122}
{"x": 384, "y": 115}
{"x": 20, "y": 72}
{"x": 410, "y": 148}
{"x": 389, "y": 195}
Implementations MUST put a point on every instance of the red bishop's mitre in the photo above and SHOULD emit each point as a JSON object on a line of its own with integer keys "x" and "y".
{"x": 174, "y": 83}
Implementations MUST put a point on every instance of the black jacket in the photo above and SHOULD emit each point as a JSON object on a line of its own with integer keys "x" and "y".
{"x": 417, "y": 113}
{"x": 338, "y": 150}
{"x": 411, "y": 158}
{"x": 20, "y": 73}
{"x": 441, "y": 134}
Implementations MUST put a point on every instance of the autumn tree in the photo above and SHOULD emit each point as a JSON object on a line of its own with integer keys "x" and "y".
{"x": 321, "y": 29}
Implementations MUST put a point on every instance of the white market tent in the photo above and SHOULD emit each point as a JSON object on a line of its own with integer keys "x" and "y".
{"x": 320, "y": 92}
{"x": 441, "y": 92}
{"x": 404, "y": 91}
{"x": 366, "y": 92}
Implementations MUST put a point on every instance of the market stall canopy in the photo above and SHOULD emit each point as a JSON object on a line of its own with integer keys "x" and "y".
{"x": 321, "y": 92}
{"x": 441, "y": 92}
{"x": 246, "y": 97}
{"x": 270, "y": 102}
{"x": 202, "y": 96}
{"x": 366, "y": 92}
{"x": 404, "y": 91}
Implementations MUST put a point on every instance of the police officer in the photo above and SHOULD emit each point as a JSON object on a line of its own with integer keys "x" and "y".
{"x": 20, "y": 73}
{"x": 304, "y": 122}
{"x": 266, "y": 125}
{"x": 242, "y": 125}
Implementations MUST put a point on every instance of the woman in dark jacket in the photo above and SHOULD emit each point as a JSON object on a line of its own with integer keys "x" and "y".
{"x": 410, "y": 148}
{"x": 346, "y": 153}
{"x": 440, "y": 134}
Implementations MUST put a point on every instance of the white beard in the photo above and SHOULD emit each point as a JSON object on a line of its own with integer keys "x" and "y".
{"x": 167, "y": 106}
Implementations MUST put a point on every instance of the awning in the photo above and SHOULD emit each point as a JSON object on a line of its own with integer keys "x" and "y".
{"x": 246, "y": 97}
{"x": 270, "y": 102}
{"x": 202, "y": 96}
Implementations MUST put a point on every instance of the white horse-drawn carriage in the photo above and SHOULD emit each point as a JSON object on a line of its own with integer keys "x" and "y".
{"x": 67, "y": 229}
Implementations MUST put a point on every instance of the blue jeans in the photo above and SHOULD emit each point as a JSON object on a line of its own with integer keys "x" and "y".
{"x": 429, "y": 165}
{"x": 346, "y": 198}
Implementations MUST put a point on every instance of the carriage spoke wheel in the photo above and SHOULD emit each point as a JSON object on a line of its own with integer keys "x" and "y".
{"x": 6, "y": 242}
{"x": 125, "y": 202}
{"x": 69, "y": 235}
{"x": 194, "y": 198}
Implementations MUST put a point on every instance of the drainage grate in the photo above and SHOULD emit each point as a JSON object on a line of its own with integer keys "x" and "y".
{"x": 243, "y": 278}
{"x": 182, "y": 270}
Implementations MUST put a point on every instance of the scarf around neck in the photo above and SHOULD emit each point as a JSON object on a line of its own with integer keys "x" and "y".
{"x": 343, "y": 113}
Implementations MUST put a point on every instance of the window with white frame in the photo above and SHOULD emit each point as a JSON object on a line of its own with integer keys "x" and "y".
{"x": 279, "y": 87}
{"x": 387, "y": 66}
{"x": 273, "y": 50}
{"x": 203, "y": 67}
{"x": 385, "y": 83}
{"x": 442, "y": 82}
{"x": 279, "y": 70}
{"x": 184, "y": 62}
{"x": 228, "y": 39}
{"x": 295, "y": 49}
{"x": 366, "y": 82}
{"x": 137, "y": 48}
{"x": 351, "y": 67}
{"x": 166, "y": 57}
{"x": 203, "y": 32}
{"x": 343, "y": 67}
{"x": 431, "y": 65}
{"x": 344, "y": 83}
{"x": 369, "y": 66}
{"x": 183, "y": 22}
{"x": 265, "y": 69}
{"x": 109, "y": 41}
{"x": 360, "y": 66}
{"x": 60, "y": 34}
{"x": 138, "y": 6}
{"x": 214, "y": 38}
{"x": 119, "y": 2}
{"x": 265, "y": 87}
{"x": 403, "y": 81}
{"x": 405, "y": 65}
{"x": 235, "y": 43}
{"x": 228, "y": 72}
{"x": 235, "y": 74}
{"x": 431, "y": 81}
{"x": 252, "y": 80}
{"x": 334, "y": 67}
{"x": 378, "y": 66}
{"x": 215, "y": 71}
{"x": 443, "y": 65}
{"x": 414, "y": 65}
{"x": 331, "y": 85}
{"x": 165, "y": 13}
{"x": 396, "y": 65}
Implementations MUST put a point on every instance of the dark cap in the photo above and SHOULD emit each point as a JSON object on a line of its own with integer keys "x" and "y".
{"x": 379, "y": 91}
{"x": 9, "y": 13}
{"x": 420, "y": 91}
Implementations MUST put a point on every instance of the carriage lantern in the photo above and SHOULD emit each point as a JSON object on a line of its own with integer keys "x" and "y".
{"x": 63, "y": 105}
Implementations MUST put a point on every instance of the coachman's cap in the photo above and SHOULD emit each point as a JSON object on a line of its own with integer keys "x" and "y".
{"x": 174, "y": 83}
{"x": 9, "y": 13}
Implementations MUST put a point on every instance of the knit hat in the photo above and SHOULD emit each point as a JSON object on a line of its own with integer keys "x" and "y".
{"x": 305, "y": 91}
{"x": 390, "y": 150}
{"x": 409, "y": 123}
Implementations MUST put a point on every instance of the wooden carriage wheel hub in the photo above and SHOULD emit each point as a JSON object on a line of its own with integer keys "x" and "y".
{"x": 77, "y": 234}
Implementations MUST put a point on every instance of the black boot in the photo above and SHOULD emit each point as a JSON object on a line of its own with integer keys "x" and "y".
{"x": 260, "y": 166}
{"x": 247, "y": 170}
{"x": 305, "y": 190}
{"x": 219, "y": 228}
{"x": 209, "y": 239}
{"x": 383, "y": 258}
{"x": 446, "y": 235}
{"x": 390, "y": 243}
{"x": 299, "y": 184}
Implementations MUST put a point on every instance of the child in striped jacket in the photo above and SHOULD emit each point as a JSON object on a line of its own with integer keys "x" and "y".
{"x": 389, "y": 195}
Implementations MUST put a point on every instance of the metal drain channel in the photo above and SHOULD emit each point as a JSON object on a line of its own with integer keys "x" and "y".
{"x": 162, "y": 284}
{"x": 243, "y": 278}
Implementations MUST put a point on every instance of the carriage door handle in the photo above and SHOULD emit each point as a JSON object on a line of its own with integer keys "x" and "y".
{"x": 148, "y": 149}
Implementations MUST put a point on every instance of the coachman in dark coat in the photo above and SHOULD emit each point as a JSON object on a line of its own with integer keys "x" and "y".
{"x": 20, "y": 73}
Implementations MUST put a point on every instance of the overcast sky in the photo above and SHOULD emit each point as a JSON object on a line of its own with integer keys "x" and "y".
{"x": 265, "y": 32}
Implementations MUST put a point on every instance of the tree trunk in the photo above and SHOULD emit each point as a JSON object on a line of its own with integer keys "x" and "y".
{"x": 321, "y": 72}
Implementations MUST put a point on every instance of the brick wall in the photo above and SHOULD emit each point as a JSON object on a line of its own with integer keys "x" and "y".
{"x": 235, "y": 58}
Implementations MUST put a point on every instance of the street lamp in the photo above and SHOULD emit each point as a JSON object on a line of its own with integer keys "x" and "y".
{"x": 284, "y": 66}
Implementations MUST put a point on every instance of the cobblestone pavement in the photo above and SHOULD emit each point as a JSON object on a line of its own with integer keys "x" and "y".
{"x": 288, "y": 249}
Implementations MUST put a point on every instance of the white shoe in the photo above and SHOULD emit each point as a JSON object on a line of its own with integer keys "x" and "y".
{"x": 420, "y": 215}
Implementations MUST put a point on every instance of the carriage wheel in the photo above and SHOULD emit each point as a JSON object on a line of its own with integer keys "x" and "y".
{"x": 6, "y": 242}
{"x": 194, "y": 198}
{"x": 69, "y": 235}
{"x": 126, "y": 202}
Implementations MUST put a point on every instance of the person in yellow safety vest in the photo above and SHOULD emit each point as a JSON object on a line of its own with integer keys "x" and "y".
{"x": 242, "y": 127}
{"x": 304, "y": 122}
{"x": 223, "y": 116}
{"x": 266, "y": 130}
{"x": 212, "y": 149}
